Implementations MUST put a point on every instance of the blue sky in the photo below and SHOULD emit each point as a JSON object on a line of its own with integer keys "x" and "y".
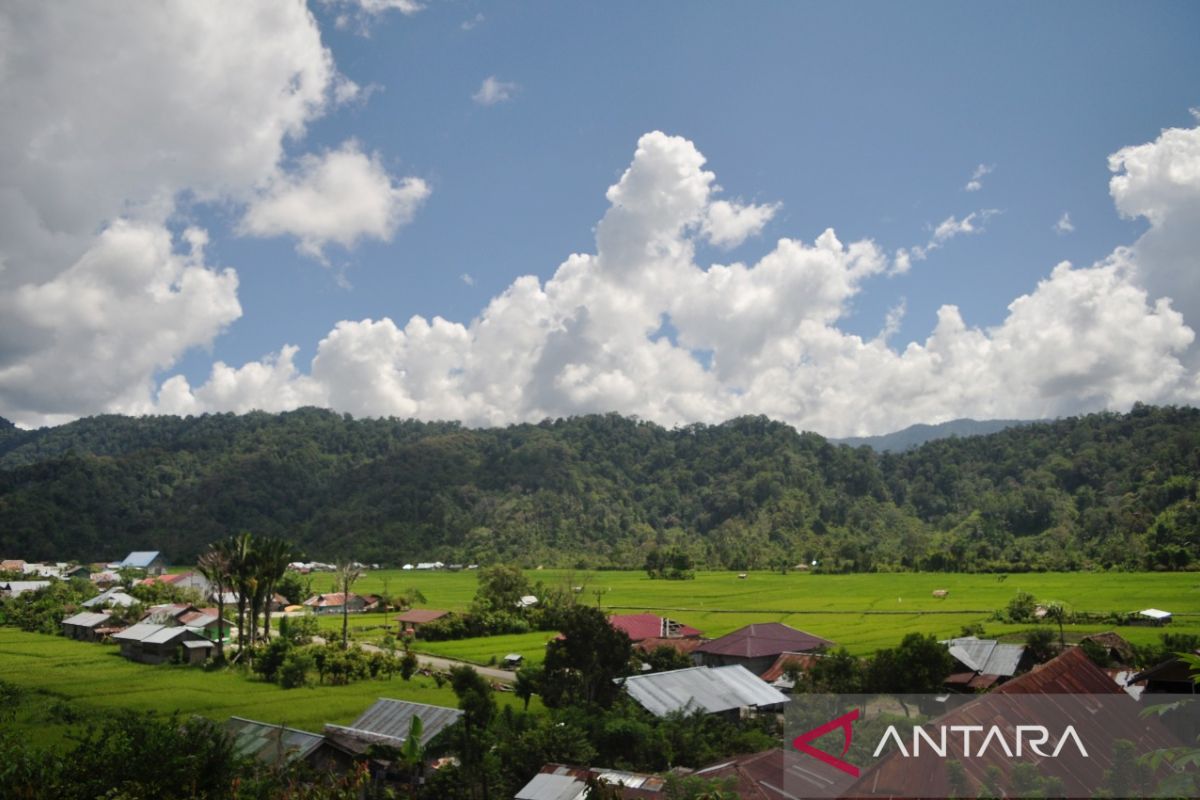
{"x": 869, "y": 118}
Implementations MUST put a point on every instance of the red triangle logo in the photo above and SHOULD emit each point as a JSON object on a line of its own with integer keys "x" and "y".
{"x": 845, "y": 723}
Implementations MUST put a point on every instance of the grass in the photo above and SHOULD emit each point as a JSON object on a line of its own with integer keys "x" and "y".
{"x": 94, "y": 679}
{"x": 863, "y": 612}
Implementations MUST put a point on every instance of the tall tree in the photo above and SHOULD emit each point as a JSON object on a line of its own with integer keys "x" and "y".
{"x": 347, "y": 573}
{"x": 239, "y": 550}
{"x": 274, "y": 556}
{"x": 585, "y": 663}
{"x": 214, "y": 566}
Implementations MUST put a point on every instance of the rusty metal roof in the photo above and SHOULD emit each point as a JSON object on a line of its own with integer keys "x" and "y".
{"x": 1070, "y": 675}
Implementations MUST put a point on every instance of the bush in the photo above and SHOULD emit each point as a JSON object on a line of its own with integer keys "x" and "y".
{"x": 293, "y": 672}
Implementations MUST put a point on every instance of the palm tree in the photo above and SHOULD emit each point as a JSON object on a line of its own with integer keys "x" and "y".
{"x": 239, "y": 550}
{"x": 214, "y": 566}
{"x": 1058, "y": 612}
{"x": 347, "y": 574}
{"x": 412, "y": 754}
{"x": 275, "y": 555}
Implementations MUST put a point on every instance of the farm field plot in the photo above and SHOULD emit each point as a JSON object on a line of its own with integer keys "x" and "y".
{"x": 863, "y": 612}
{"x": 93, "y": 677}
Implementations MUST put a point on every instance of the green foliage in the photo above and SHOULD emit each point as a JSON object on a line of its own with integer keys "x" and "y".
{"x": 583, "y": 664}
{"x": 43, "y": 610}
{"x": 1021, "y": 608}
{"x": 501, "y": 588}
{"x": 664, "y": 658}
{"x": 919, "y": 665}
{"x": 671, "y": 564}
{"x": 1100, "y": 491}
{"x": 1039, "y": 645}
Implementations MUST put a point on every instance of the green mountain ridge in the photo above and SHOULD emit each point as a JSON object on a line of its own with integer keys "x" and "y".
{"x": 1097, "y": 491}
{"x": 917, "y": 435}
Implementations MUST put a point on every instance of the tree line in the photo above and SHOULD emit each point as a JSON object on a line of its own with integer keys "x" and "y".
{"x": 1098, "y": 491}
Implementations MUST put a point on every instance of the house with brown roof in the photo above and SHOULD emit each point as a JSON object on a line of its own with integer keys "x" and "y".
{"x": 412, "y": 620}
{"x": 756, "y": 647}
{"x": 777, "y": 775}
{"x": 779, "y": 673}
{"x": 85, "y": 626}
{"x": 334, "y": 602}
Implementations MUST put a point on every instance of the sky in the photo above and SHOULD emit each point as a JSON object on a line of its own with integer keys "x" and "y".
{"x": 851, "y": 217}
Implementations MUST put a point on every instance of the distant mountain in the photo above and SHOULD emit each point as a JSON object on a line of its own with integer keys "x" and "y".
{"x": 917, "y": 435}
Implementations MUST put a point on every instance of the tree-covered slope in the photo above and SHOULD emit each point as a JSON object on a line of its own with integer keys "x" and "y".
{"x": 1099, "y": 490}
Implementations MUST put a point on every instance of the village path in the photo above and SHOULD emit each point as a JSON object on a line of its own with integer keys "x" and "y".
{"x": 444, "y": 664}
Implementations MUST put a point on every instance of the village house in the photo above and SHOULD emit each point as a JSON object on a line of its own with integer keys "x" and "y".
{"x": 981, "y": 664}
{"x": 152, "y": 561}
{"x": 180, "y": 580}
{"x": 764, "y": 776}
{"x": 18, "y": 588}
{"x": 780, "y": 673}
{"x": 640, "y": 627}
{"x": 386, "y": 723}
{"x": 86, "y": 626}
{"x": 274, "y": 745}
{"x": 334, "y": 602}
{"x": 113, "y": 597}
{"x": 756, "y": 647}
{"x": 149, "y": 643}
{"x": 1111, "y": 715}
{"x": 1152, "y": 616}
{"x": 730, "y": 691}
{"x": 13, "y": 565}
{"x": 562, "y": 782}
{"x": 412, "y": 620}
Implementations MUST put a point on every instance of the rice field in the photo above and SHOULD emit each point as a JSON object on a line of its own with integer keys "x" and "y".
{"x": 94, "y": 679}
{"x": 861, "y": 612}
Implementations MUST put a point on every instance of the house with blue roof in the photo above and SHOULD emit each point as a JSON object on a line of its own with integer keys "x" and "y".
{"x": 152, "y": 561}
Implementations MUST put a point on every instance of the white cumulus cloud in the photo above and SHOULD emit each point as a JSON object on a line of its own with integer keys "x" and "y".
{"x": 759, "y": 337}
{"x": 1064, "y": 224}
{"x": 341, "y": 196}
{"x": 729, "y": 224}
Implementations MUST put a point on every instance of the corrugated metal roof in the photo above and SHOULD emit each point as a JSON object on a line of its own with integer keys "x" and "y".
{"x": 271, "y": 744}
{"x": 391, "y": 718}
{"x": 18, "y": 588}
{"x": 140, "y": 558}
{"x": 987, "y": 656}
{"x": 112, "y": 597}
{"x": 138, "y": 632}
{"x": 1155, "y": 613}
{"x": 88, "y": 619}
{"x": 702, "y": 689}
{"x": 544, "y": 786}
{"x": 763, "y": 639}
{"x": 420, "y": 616}
{"x": 167, "y": 634}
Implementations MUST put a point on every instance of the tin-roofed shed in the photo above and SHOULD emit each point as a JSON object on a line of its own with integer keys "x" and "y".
{"x": 271, "y": 744}
{"x": 387, "y": 721}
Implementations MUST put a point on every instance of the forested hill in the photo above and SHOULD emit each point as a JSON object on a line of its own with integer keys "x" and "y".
{"x": 1100, "y": 490}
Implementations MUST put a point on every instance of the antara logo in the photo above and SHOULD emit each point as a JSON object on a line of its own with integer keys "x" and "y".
{"x": 1031, "y": 738}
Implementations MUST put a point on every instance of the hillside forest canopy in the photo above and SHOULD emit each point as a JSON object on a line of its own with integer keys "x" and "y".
{"x": 1102, "y": 491}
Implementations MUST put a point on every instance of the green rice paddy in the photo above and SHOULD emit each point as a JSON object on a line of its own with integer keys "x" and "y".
{"x": 862, "y": 612}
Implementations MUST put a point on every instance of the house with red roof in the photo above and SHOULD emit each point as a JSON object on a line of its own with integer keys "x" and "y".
{"x": 640, "y": 627}
{"x": 756, "y": 647}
